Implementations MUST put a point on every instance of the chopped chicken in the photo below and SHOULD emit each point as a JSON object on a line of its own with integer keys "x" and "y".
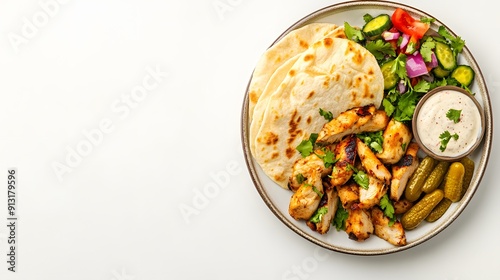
{"x": 371, "y": 196}
{"x": 394, "y": 234}
{"x": 306, "y": 199}
{"x": 373, "y": 166}
{"x": 359, "y": 224}
{"x": 345, "y": 153}
{"x": 304, "y": 167}
{"x": 401, "y": 206}
{"x": 396, "y": 136}
{"x": 402, "y": 171}
{"x": 348, "y": 194}
{"x": 356, "y": 120}
{"x": 329, "y": 201}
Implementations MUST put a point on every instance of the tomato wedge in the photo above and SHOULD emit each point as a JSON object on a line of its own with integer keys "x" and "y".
{"x": 405, "y": 23}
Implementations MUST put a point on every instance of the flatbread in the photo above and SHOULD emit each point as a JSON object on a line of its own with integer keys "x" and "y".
{"x": 334, "y": 74}
{"x": 293, "y": 43}
{"x": 276, "y": 79}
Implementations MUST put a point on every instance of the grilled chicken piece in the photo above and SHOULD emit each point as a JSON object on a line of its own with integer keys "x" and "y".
{"x": 394, "y": 234}
{"x": 401, "y": 206}
{"x": 326, "y": 211}
{"x": 304, "y": 167}
{"x": 359, "y": 224}
{"x": 371, "y": 196}
{"x": 373, "y": 166}
{"x": 306, "y": 199}
{"x": 348, "y": 194}
{"x": 396, "y": 136}
{"x": 402, "y": 171}
{"x": 345, "y": 153}
{"x": 356, "y": 120}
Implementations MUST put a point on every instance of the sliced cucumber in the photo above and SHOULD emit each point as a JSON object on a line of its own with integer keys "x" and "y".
{"x": 390, "y": 78}
{"x": 374, "y": 28}
{"x": 445, "y": 56}
{"x": 440, "y": 72}
{"x": 463, "y": 74}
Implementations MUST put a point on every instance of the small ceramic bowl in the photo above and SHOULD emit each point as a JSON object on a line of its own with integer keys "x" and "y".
{"x": 448, "y": 123}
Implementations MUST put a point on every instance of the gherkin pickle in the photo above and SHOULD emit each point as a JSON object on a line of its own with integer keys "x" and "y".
{"x": 436, "y": 177}
{"x": 413, "y": 217}
{"x": 453, "y": 181}
{"x": 439, "y": 210}
{"x": 413, "y": 189}
{"x": 469, "y": 171}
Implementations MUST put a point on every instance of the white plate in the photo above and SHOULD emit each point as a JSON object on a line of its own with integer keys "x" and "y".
{"x": 277, "y": 198}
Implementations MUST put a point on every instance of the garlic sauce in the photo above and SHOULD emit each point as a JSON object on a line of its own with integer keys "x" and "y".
{"x": 432, "y": 122}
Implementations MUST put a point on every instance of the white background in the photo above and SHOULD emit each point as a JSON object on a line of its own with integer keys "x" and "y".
{"x": 116, "y": 212}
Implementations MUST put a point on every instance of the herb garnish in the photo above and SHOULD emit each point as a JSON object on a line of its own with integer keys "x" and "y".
{"x": 454, "y": 115}
{"x": 352, "y": 33}
{"x": 326, "y": 114}
{"x": 456, "y": 43}
{"x": 328, "y": 158}
{"x": 373, "y": 140}
{"x": 340, "y": 217}
{"x": 445, "y": 138}
{"x": 306, "y": 147}
{"x": 380, "y": 49}
{"x": 316, "y": 218}
{"x": 360, "y": 177}
{"x": 300, "y": 178}
{"x": 386, "y": 205}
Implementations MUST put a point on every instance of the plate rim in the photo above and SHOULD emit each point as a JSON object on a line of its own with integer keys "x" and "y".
{"x": 486, "y": 142}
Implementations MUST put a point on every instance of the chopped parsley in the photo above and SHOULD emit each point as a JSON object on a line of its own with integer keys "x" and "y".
{"x": 300, "y": 178}
{"x": 380, "y": 49}
{"x": 320, "y": 194}
{"x": 340, "y": 217}
{"x": 352, "y": 33}
{"x": 445, "y": 138}
{"x": 326, "y": 114}
{"x": 328, "y": 158}
{"x": 314, "y": 189}
{"x": 373, "y": 140}
{"x": 316, "y": 218}
{"x": 422, "y": 86}
{"x": 427, "y": 20}
{"x": 399, "y": 66}
{"x": 403, "y": 146}
{"x": 306, "y": 147}
{"x": 367, "y": 18}
{"x": 405, "y": 106}
{"x": 456, "y": 43}
{"x": 426, "y": 49}
{"x": 454, "y": 115}
{"x": 388, "y": 208}
{"x": 361, "y": 178}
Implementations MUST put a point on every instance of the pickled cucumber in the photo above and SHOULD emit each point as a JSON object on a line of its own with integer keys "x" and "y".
{"x": 436, "y": 177}
{"x": 439, "y": 210}
{"x": 453, "y": 181}
{"x": 415, "y": 183}
{"x": 413, "y": 217}
{"x": 469, "y": 171}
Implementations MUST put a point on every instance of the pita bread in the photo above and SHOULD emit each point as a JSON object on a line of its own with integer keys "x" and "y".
{"x": 274, "y": 81}
{"x": 334, "y": 74}
{"x": 293, "y": 43}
